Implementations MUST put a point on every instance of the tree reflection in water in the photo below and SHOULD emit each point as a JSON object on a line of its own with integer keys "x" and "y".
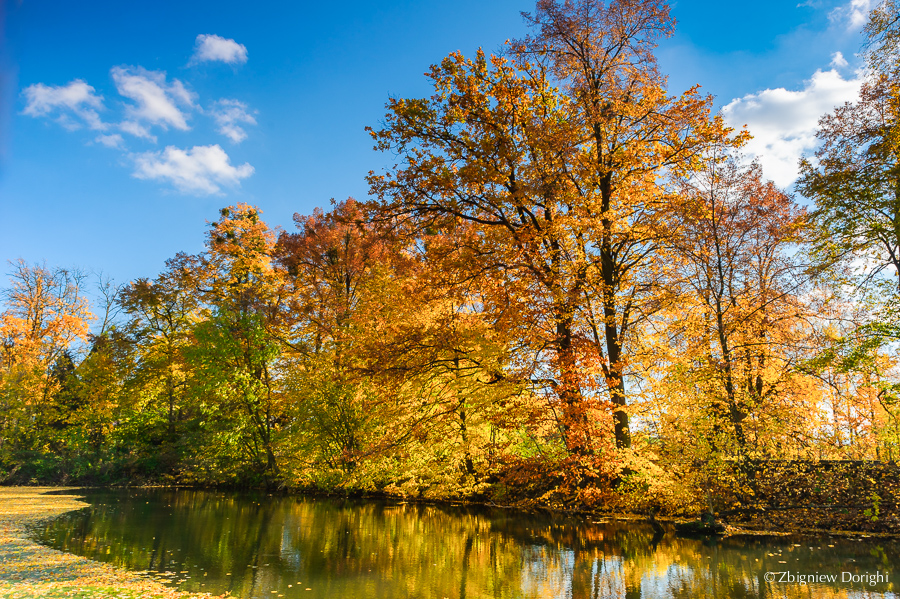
{"x": 253, "y": 544}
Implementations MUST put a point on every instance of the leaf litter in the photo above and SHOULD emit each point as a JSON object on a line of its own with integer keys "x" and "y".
{"x": 29, "y": 570}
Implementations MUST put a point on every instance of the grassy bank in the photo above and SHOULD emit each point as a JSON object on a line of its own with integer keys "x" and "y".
{"x": 29, "y": 570}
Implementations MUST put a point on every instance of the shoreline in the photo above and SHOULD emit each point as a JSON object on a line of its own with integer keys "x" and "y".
{"x": 29, "y": 570}
{"x": 733, "y": 529}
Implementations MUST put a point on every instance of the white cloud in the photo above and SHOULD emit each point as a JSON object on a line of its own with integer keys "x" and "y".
{"x": 77, "y": 98}
{"x": 156, "y": 101}
{"x": 214, "y": 47}
{"x": 137, "y": 130}
{"x": 838, "y": 61}
{"x": 200, "y": 170}
{"x": 852, "y": 15}
{"x": 110, "y": 141}
{"x": 229, "y": 114}
{"x": 783, "y": 123}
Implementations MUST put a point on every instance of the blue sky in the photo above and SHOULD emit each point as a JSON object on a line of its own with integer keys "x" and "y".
{"x": 125, "y": 126}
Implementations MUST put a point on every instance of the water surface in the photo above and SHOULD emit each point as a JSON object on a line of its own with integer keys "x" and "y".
{"x": 257, "y": 545}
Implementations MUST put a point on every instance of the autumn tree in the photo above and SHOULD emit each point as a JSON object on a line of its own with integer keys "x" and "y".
{"x": 738, "y": 328}
{"x": 457, "y": 397}
{"x": 556, "y": 153}
{"x": 329, "y": 262}
{"x": 236, "y": 359}
{"x": 379, "y": 367}
{"x": 860, "y": 395}
{"x": 333, "y": 265}
{"x": 854, "y": 181}
{"x": 161, "y": 316}
{"x": 45, "y": 315}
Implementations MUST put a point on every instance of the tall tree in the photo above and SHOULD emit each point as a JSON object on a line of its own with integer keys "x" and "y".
{"x": 855, "y": 177}
{"x": 555, "y": 154}
{"x": 162, "y": 315}
{"x": 738, "y": 316}
{"x": 45, "y": 314}
{"x": 855, "y": 180}
{"x": 236, "y": 360}
{"x": 334, "y": 264}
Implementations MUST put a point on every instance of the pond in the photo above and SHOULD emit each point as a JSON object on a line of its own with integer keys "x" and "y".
{"x": 258, "y": 545}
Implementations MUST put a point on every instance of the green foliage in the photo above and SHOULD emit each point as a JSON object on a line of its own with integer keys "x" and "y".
{"x": 333, "y": 418}
{"x": 875, "y": 510}
{"x": 234, "y": 384}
